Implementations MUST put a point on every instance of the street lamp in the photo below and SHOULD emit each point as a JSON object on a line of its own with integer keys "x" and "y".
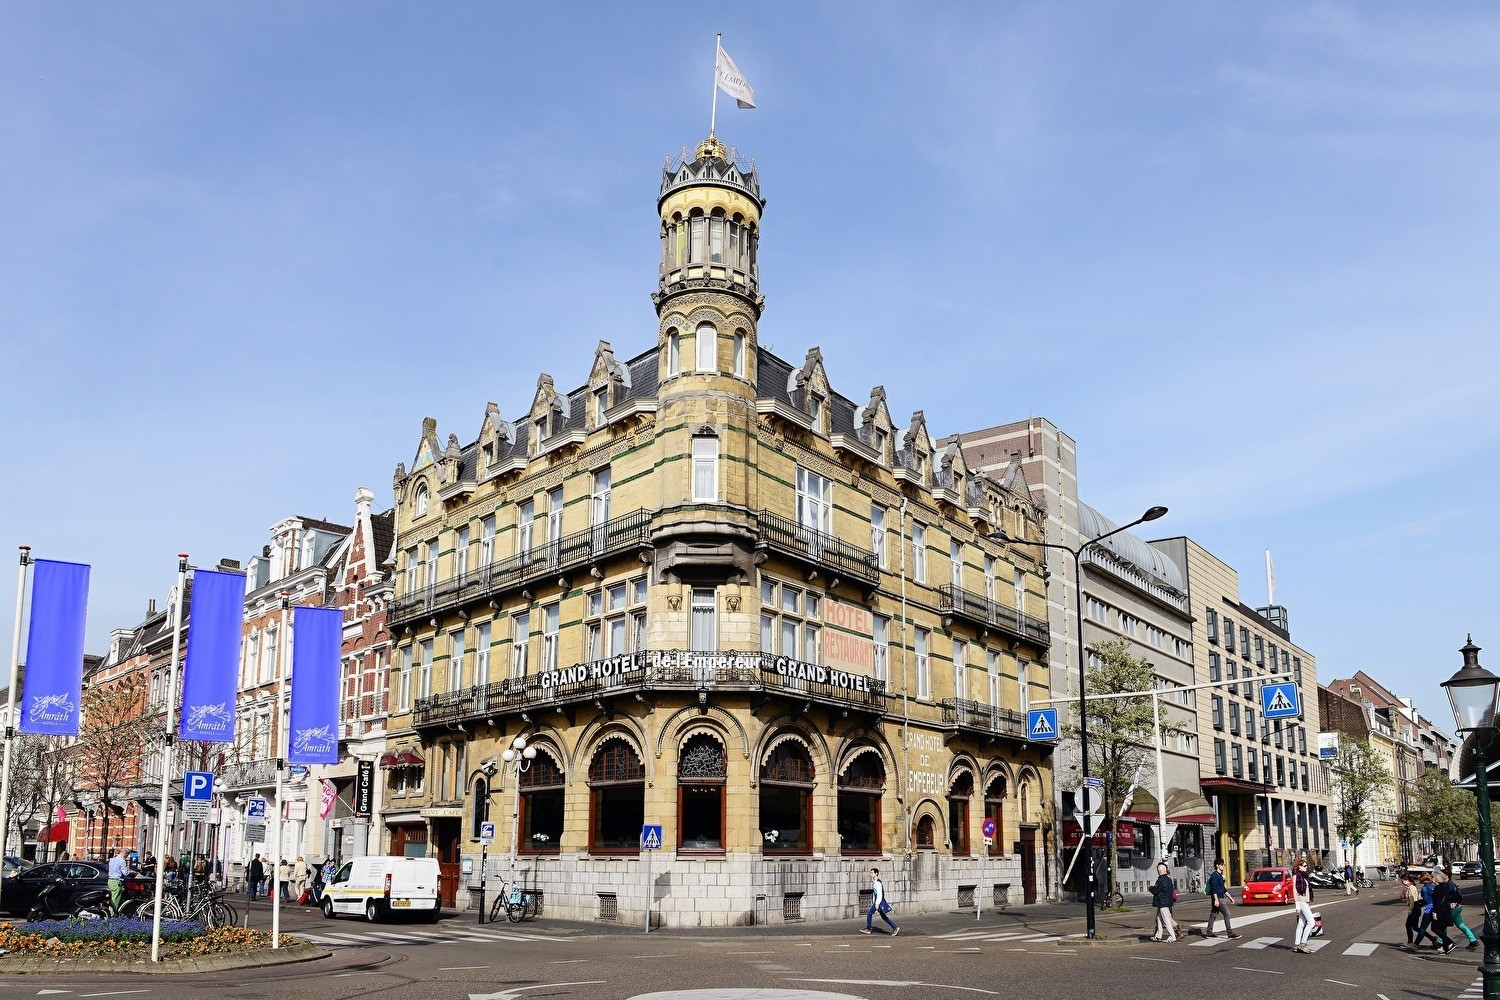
{"x": 519, "y": 756}
{"x": 1151, "y": 514}
{"x": 1472, "y": 692}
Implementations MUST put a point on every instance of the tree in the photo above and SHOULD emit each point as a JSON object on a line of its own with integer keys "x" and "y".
{"x": 112, "y": 742}
{"x": 1360, "y": 786}
{"x": 1120, "y": 729}
{"x": 1441, "y": 814}
{"x": 38, "y": 782}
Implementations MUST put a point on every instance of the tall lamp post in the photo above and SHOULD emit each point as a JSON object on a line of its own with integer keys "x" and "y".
{"x": 1083, "y": 717}
{"x": 518, "y": 757}
{"x": 1473, "y": 691}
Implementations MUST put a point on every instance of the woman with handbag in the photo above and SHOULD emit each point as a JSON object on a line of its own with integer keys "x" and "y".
{"x": 878, "y": 904}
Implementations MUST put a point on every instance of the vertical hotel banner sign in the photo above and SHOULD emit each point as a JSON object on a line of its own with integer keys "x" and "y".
{"x": 318, "y": 636}
{"x": 54, "y": 648}
{"x": 210, "y": 676}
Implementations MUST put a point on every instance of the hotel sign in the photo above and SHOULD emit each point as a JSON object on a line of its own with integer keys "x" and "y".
{"x": 701, "y": 667}
{"x": 848, "y": 642}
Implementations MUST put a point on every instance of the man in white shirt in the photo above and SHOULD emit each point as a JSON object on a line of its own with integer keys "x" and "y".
{"x": 878, "y": 904}
{"x": 117, "y": 871}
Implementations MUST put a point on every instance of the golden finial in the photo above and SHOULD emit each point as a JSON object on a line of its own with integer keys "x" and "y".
{"x": 711, "y": 148}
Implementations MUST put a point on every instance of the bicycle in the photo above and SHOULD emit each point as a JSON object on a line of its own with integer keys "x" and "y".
{"x": 518, "y": 903}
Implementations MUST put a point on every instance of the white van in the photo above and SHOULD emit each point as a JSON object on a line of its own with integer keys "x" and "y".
{"x": 380, "y": 886}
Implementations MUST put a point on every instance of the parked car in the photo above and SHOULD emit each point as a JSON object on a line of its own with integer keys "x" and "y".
{"x": 21, "y": 891}
{"x": 1267, "y": 887}
{"x": 379, "y": 887}
{"x": 1470, "y": 869}
{"x": 14, "y": 865}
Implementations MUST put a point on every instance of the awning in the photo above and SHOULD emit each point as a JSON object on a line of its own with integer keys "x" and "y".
{"x": 1183, "y": 806}
{"x": 409, "y": 759}
{"x": 1233, "y": 786}
{"x": 57, "y": 833}
{"x": 388, "y": 760}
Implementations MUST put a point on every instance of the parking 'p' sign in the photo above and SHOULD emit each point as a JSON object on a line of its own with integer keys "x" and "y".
{"x": 197, "y": 794}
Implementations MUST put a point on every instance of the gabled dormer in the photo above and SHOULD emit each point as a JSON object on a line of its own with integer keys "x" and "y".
{"x": 811, "y": 393}
{"x": 416, "y": 492}
{"x": 549, "y": 420}
{"x": 914, "y": 460}
{"x": 609, "y": 385}
{"x": 459, "y": 471}
{"x": 951, "y": 476}
{"x": 498, "y": 449}
{"x": 874, "y": 431}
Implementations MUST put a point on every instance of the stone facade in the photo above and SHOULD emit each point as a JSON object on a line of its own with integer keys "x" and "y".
{"x": 708, "y": 591}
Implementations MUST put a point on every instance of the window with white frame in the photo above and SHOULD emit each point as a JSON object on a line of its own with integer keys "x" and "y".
{"x": 705, "y": 467}
{"x": 482, "y": 655}
{"x": 1129, "y": 624}
{"x": 956, "y": 563}
{"x": 615, "y": 619}
{"x": 1023, "y": 685}
{"x": 814, "y": 501}
{"x": 992, "y": 672}
{"x": 918, "y": 552}
{"x": 1018, "y": 584}
{"x": 525, "y": 520}
{"x": 708, "y": 344}
{"x": 599, "y": 503}
{"x": 405, "y": 682}
{"x": 1156, "y": 637}
{"x": 739, "y": 353}
{"x": 461, "y": 551}
{"x": 520, "y": 644}
{"x": 989, "y": 578}
{"x": 486, "y": 541}
{"x": 430, "y": 573}
{"x": 924, "y": 669}
{"x": 550, "y": 619}
{"x": 790, "y": 621}
{"x": 601, "y": 403}
{"x": 413, "y": 570}
{"x": 877, "y": 534}
{"x": 252, "y": 659}
{"x": 458, "y": 649}
{"x": 421, "y": 499}
{"x": 554, "y": 522}
{"x": 960, "y": 668}
{"x": 703, "y": 631}
{"x": 815, "y": 410}
{"x": 882, "y": 642}
{"x": 674, "y": 352}
{"x": 268, "y": 665}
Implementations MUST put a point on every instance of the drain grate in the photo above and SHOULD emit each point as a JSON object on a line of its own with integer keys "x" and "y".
{"x": 609, "y": 906}
{"x": 791, "y": 906}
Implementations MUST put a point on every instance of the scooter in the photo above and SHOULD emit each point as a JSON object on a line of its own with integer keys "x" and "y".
{"x": 91, "y": 905}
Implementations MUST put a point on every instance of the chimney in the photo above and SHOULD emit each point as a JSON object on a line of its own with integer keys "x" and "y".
{"x": 228, "y": 565}
{"x": 150, "y": 607}
{"x": 363, "y": 497}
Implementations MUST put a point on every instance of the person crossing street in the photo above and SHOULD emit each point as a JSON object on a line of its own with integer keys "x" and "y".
{"x": 1163, "y": 895}
{"x": 1219, "y": 902}
{"x": 1302, "y": 897}
{"x": 878, "y": 904}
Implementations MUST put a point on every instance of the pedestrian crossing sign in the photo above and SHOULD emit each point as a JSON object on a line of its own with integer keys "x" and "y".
{"x": 1280, "y": 701}
{"x": 651, "y": 837}
{"x": 1041, "y": 725}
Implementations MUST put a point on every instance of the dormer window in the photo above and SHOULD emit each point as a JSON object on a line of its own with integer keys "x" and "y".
{"x": 489, "y": 455}
{"x": 708, "y": 342}
{"x": 421, "y": 499}
{"x": 877, "y": 441}
{"x": 601, "y": 403}
{"x": 919, "y": 466}
{"x": 539, "y": 433}
{"x": 815, "y": 410}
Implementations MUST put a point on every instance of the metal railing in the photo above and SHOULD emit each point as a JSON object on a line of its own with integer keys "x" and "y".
{"x": 980, "y": 609}
{"x": 782, "y": 534}
{"x": 657, "y": 670}
{"x": 556, "y": 556}
{"x": 966, "y": 714}
{"x": 250, "y": 774}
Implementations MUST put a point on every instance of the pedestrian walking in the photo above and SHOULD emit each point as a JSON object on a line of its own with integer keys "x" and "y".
{"x": 1411, "y": 897}
{"x": 1163, "y": 895}
{"x": 1302, "y": 898}
{"x": 1218, "y": 902}
{"x": 254, "y": 875}
{"x": 284, "y": 879}
{"x": 1442, "y": 910}
{"x": 878, "y": 904}
{"x": 1424, "y": 929}
{"x": 1457, "y": 903}
{"x": 118, "y": 868}
{"x": 299, "y": 878}
{"x": 1351, "y": 887}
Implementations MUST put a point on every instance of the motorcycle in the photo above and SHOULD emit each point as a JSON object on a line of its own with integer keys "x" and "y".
{"x": 91, "y": 905}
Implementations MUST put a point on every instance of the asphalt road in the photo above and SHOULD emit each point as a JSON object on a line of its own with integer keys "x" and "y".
{"x": 1016, "y": 953}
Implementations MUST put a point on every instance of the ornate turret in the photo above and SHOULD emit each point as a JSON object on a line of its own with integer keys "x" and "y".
{"x": 710, "y": 208}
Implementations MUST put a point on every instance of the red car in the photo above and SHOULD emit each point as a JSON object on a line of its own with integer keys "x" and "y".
{"x": 1268, "y": 887}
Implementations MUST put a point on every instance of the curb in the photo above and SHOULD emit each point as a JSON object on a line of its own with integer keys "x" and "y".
{"x": 46, "y": 966}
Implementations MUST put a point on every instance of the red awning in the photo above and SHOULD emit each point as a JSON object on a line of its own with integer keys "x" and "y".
{"x": 409, "y": 759}
{"x": 1197, "y": 819}
{"x": 388, "y": 760}
{"x": 57, "y": 833}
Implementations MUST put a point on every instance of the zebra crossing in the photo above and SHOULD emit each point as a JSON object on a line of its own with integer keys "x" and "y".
{"x": 1357, "y": 949}
{"x": 335, "y": 938}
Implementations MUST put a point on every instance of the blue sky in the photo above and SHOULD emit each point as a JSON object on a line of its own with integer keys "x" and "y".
{"x": 1244, "y": 254}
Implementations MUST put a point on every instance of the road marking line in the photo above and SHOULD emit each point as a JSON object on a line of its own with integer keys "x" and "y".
{"x": 1245, "y": 921}
{"x": 460, "y": 968}
{"x": 114, "y": 993}
{"x": 1269, "y": 972}
{"x": 1361, "y": 949}
{"x": 1260, "y": 944}
{"x": 1318, "y": 945}
{"x": 1142, "y": 958}
{"x": 569, "y": 961}
{"x": 1208, "y": 942}
{"x": 1340, "y": 982}
{"x": 898, "y": 983}
{"x": 749, "y": 953}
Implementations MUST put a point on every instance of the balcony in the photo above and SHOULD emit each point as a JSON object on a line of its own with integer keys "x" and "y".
{"x": 250, "y": 774}
{"x": 557, "y": 557}
{"x": 973, "y": 716}
{"x": 818, "y": 549}
{"x": 650, "y": 671}
{"x": 989, "y": 615}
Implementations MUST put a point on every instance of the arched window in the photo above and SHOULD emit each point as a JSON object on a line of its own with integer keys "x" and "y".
{"x": 958, "y": 812}
{"x": 707, "y": 347}
{"x": 860, "y": 788}
{"x": 617, "y": 798}
{"x": 926, "y": 834}
{"x": 541, "y": 819}
{"x": 739, "y": 353}
{"x": 994, "y": 808}
{"x": 421, "y": 499}
{"x": 481, "y": 803}
{"x": 701, "y": 769}
{"x": 786, "y": 785}
{"x": 674, "y": 352}
{"x": 716, "y": 237}
{"x": 699, "y": 231}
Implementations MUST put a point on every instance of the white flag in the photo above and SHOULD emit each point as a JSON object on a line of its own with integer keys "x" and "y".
{"x": 727, "y": 77}
{"x": 1270, "y": 575}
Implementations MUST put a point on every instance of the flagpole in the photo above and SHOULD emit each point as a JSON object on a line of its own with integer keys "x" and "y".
{"x": 1270, "y": 580}
{"x": 10, "y": 715}
{"x": 166, "y": 764}
{"x": 282, "y": 748}
{"x": 713, "y": 114}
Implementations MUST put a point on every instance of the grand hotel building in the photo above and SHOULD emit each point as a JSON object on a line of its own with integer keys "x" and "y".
{"x": 716, "y": 594}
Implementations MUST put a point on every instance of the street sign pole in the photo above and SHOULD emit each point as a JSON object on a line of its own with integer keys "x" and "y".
{"x": 650, "y": 844}
{"x": 482, "y": 849}
{"x": 648, "y": 892}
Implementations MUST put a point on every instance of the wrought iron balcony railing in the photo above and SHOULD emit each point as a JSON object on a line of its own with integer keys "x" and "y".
{"x": 656, "y": 670}
{"x": 989, "y": 614}
{"x": 557, "y": 556}
{"x": 973, "y": 715}
{"x": 818, "y": 548}
{"x": 250, "y": 774}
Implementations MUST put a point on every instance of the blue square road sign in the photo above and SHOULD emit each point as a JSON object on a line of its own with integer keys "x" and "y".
{"x": 1280, "y": 701}
{"x": 198, "y": 785}
{"x": 651, "y": 837}
{"x": 1041, "y": 725}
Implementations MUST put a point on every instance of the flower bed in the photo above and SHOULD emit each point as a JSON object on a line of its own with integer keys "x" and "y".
{"x": 122, "y": 938}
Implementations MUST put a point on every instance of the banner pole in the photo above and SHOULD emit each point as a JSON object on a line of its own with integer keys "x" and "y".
{"x": 166, "y": 763}
{"x": 713, "y": 113}
{"x": 10, "y": 715}
{"x": 283, "y": 747}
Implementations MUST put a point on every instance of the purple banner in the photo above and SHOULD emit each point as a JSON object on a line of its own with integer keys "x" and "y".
{"x": 53, "y": 683}
{"x": 210, "y": 676}
{"x": 318, "y": 635}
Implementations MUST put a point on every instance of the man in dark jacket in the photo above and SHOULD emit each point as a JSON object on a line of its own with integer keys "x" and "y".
{"x": 1163, "y": 895}
{"x": 255, "y": 874}
{"x": 1442, "y": 908}
{"x": 1218, "y": 902}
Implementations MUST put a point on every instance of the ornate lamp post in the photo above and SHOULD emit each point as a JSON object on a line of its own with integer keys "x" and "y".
{"x": 518, "y": 757}
{"x": 1473, "y": 691}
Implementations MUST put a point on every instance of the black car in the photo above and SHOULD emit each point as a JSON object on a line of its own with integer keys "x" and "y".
{"x": 20, "y": 891}
{"x": 1470, "y": 869}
